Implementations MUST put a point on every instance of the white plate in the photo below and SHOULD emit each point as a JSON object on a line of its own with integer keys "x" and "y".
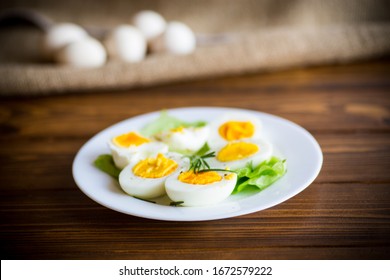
{"x": 303, "y": 154}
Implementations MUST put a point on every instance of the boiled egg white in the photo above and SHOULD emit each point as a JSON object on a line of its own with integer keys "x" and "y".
{"x": 145, "y": 178}
{"x": 130, "y": 146}
{"x": 236, "y": 154}
{"x": 185, "y": 140}
{"x": 200, "y": 189}
{"x": 233, "y": 126}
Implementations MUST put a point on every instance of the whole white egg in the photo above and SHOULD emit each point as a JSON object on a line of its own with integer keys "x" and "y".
{"x": 179, "y": 38}
{"x": 87, "y": 52}
{"x": 233, "y": 126}
{"x": 60, "y": 35}
{"x": 126, "y": 43}
{"x": 145, "y": 178}
{"x": 192, "y": 194}
{"x": 237, "y": 154}
{"x": 150, "y": 23}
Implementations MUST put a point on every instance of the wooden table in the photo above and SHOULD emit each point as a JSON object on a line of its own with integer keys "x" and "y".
{"x": 344, "y": 214}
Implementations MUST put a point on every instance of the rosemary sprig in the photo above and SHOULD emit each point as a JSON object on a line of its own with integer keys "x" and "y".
{"x": 217, "y": 169}
{"x": 198, "y": 162}
{"x": 143, "y": 199}
{"x": 176, "y": 203}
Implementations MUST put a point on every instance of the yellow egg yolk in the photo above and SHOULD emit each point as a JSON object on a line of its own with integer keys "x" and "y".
{"x": 236, "y": 151}
{"x": 229, "y": 176}
{"x": 235, "y": 130}
{"x": 200, "y": 178}
{"x": 155, "y": 167}
{"x": 178, "y": 129}
{"x": 129, "y": 139}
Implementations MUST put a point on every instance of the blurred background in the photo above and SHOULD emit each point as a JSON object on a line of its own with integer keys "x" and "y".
{"x": 241, "y": 37}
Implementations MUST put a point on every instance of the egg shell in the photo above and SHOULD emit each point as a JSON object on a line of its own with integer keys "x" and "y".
{"x": 200, "y": 195}
{"x": 60, "y": 35}
{"x": 216, "y": 141}
{"x": 150, "y": 23}
{"x": 148, "y": 187}
{"x": 87, "y": 53}
{"x": 126, "y": 43}
{"x": 179, "y": 38}
{"x": 264, "y": 153}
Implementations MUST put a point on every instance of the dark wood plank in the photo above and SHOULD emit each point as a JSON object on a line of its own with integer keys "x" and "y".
{"x": 358, "y": 219}
{"x": 321, "y": 110}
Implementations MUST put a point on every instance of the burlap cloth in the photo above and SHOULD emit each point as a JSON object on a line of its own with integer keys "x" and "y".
{"x": 251, "y": 36}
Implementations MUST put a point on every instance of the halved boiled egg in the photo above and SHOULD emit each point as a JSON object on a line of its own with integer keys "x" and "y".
{"x": 236, "y": 154}
{"x": 233, "y": 126}
{"x": 202, "y": 188}
{"x": 126, "y": 147}
{"x": 186, "y": 140}
{"x": 145, "y": 177}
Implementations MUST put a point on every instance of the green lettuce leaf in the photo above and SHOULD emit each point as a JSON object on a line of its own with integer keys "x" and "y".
{"x": 106, "y": 164}
{"x": 260, "y": 176}
{"x": 166, "y": 122}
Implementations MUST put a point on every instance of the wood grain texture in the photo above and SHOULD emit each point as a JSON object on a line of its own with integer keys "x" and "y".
{"x": 344, "y": 214}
